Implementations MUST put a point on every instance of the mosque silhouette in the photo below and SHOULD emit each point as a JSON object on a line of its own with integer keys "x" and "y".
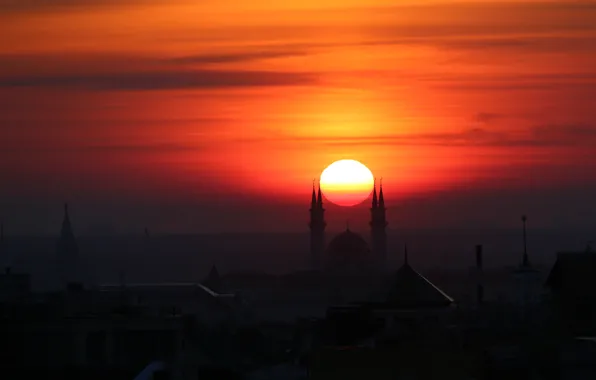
{"x": 349, "y": 252}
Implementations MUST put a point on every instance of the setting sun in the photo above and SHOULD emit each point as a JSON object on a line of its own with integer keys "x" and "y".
{"x": 346, "y": 182}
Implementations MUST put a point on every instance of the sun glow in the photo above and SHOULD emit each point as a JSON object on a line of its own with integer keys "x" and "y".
{"x": 346, "y": 182}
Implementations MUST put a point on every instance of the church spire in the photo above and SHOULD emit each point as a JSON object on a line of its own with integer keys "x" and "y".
{"x": 374, "y": 200}
{"x": 67, "y": 252}
{"x": 406, "y": 254}
{"x": 66, "y": 226}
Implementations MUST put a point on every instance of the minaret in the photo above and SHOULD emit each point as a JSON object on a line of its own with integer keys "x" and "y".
{"x": 378, "y": 224}
{"x": 67, "y": 253}
{"x": 317, "y": 228}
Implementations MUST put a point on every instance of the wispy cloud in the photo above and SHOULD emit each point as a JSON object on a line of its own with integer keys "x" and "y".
{"x": 549, "y": 135}
{"x": 49, "y": 5}
{"x": 514, "y": 82}
{"x": 163, "y": 80}
{"x": 487, "y": 117}
{"x": 256, "y": 54}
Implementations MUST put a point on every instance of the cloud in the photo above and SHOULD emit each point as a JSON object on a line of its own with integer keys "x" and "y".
{"x": 240, "y": 56}
{"x": 487, "y": 117}
{"x": 50, "y": 5}
{"x": 108, "y": 148}
{"x": 11, "y": 64}
{"x": 520, "y": 82}
{"x": 163, "y": 80}
{"x": 564, "y": 134}
{"x": 555, "y": 135}
{"x": 131, "y": 72}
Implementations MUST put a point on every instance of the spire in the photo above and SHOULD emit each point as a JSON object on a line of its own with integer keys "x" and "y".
{"x": 525, "y": 261}
{"x": 347, "y": 224}
{"x": 67, "y": 253}
{"x": 213, "y": 280}
{"x": 317, "y": 227}
{"x": 66, "y": 227}
{"x": 374, "y": 200}
{"x": 406, "y": 254}
{"x": 320, "y": 198}
{"x": 381, "y": 198}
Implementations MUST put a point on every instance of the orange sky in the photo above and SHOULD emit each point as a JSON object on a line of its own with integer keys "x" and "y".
{"x": 175, "y": 99}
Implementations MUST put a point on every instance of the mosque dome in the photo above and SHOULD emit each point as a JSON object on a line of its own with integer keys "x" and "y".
{"x": 348, "y": 250}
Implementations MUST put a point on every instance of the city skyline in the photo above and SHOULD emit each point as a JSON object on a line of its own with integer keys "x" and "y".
{"x": 204, "y": 117}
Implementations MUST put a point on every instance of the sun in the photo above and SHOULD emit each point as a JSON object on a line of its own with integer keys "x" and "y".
{"x": 346, "y": 182}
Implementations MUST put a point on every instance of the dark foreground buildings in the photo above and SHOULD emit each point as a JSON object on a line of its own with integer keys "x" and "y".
{"x": 347, "y": 318}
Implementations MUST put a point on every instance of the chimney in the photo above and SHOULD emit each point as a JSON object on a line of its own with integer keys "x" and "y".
{"x": 479, "y": 257}
{"x": 479, "y": 280}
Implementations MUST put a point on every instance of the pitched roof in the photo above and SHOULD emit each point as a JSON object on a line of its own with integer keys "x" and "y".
{"x": 213, "y": 280}
{"x": 572, "y": 272}
{"x": 410, "y": 289}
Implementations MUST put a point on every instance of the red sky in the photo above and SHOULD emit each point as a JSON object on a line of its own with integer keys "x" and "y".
{"x": 153, "y": 108}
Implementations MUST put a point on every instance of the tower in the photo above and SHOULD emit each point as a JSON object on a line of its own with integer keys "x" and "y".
{"x": 1, "y": 240}
{"x": 378, "y": 225}
{"x": 528, "y": 280}
{"x": 67, "y": 253}
{"x": 3, "y": 253}
{"x": 317, "y": 228}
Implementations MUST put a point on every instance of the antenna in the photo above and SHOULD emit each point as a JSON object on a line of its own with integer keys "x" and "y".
{"x": 479, "y": 279}
{"x": 122, "y": 276}
{"x": 525, "y": 261}
{"x": 1, "y": 237}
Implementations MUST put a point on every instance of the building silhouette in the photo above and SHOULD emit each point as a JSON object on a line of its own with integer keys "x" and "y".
{"x": 348, "y": 252}
{"x": 378, "y": 224}
{"x": 317, "y": 228}
{"x": 67, "y": 254}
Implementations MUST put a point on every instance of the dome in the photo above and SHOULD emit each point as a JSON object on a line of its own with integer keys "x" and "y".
{"x": 348, "y": 250}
